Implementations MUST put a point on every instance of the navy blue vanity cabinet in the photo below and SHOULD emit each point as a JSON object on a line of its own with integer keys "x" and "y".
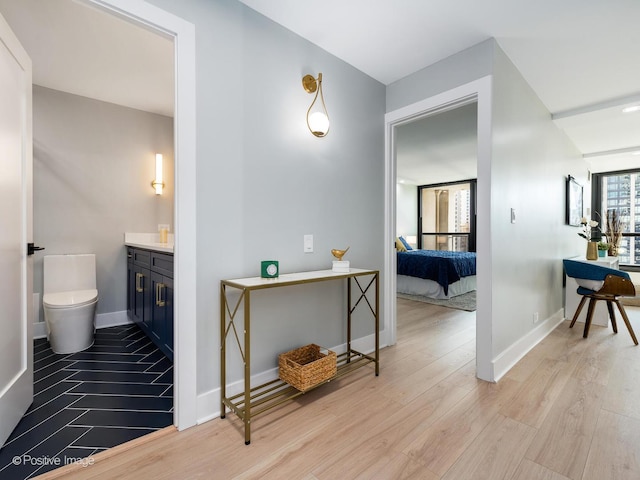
{"x": 150, "y": 295}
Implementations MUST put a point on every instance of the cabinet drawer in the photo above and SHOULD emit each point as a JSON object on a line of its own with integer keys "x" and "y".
{"x": 162, "y": 263}
{"x": 141, "y": 257}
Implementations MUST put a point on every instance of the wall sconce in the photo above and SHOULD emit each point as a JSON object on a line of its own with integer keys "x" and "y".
{"x": 158, "y": 184}
{"x": 317, "y": 116}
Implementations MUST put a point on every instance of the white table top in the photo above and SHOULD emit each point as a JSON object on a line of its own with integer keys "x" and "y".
{"x": 611, "y": 262}
{"x": 295, "y": 278}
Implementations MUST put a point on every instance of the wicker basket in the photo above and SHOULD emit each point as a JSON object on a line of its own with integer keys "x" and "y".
{"x": 306, "y": 367}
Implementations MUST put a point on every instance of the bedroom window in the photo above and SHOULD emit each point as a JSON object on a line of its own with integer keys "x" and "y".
{"x": 446, "y": 216}
{"x": 620, "y": 191}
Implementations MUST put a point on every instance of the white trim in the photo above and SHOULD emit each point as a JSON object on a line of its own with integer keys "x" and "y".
{"x": 185, "y": 340}
{"x": 112, "y": 319}
{"x": 479, "y": 90}
{"x": 514, "y": 353}
{"x": 39, "y": 330}
{"x": 484, "y": 262}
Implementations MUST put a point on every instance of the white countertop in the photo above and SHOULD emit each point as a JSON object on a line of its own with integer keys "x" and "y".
{"x": 149, "y": 241}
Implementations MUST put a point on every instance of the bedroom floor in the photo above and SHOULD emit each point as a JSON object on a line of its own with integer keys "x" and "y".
{"x": 84, "y": 403}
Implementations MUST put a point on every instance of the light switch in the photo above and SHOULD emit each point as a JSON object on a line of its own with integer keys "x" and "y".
{"x": 513, "y": 215}
{"x": 308, "y": 244}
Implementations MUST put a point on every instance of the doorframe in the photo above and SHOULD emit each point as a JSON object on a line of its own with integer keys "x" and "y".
{"x": 479, "y": 91}
{"x": 185, "y": 325}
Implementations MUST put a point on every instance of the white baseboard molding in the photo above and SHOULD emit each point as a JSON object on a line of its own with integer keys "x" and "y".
{"x": 112, "y": 319}
{"x": 512, "y": 355}
{"x": 103, "y": 320}
{"x": 208, "y": 403}
{"x": 39, "y": 330}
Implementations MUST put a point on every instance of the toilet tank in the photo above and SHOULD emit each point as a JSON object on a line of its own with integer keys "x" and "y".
{"x": 63, "y": 273}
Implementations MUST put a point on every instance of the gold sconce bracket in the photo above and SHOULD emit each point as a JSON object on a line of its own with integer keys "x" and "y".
{"x": 310, "y": 84}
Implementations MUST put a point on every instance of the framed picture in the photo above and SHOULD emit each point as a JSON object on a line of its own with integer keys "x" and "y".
{"x": 574, "y": 202}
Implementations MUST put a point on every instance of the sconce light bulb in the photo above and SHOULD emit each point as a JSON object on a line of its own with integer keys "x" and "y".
{"x": 318, "y": 124}
{"x": 158, "y": 182}
{"x": 159, "y": 167}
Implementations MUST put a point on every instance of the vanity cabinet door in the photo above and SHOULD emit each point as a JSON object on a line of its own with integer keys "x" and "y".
{"x": 142, "y": 297}
{"x": 162, "y": 318}
{"x": 139, "y": 288}
{"x": 131, "y": 282}
{"x": 168, "y": 340}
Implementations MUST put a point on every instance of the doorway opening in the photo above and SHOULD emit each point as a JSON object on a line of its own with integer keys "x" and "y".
{"x": 152, "y": 18}
{"x": 478, "y": 93}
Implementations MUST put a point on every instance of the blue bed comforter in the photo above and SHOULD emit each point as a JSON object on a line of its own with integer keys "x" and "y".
{"x": 437, "y": 265}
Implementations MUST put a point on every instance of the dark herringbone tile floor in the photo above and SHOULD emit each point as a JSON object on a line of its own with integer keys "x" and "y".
{"x": 119, "y": 389}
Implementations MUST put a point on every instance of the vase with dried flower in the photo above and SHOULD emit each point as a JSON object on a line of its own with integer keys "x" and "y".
{"x": 614, "y": 232}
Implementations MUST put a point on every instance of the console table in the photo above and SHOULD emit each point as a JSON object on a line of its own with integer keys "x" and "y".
{"x": 572, "y": 299}
{"x": 254, "y": 400}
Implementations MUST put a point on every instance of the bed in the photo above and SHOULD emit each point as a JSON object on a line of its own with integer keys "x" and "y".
{"x": 436, "y": 273}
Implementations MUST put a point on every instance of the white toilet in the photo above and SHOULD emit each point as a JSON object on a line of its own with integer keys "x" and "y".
{"x": 70, "y": 299}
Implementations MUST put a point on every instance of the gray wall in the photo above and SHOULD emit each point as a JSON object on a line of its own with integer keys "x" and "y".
{"x": 463, "y": 67}
{"x": 530, "y": 159}
{"x": 406, "y": 209}
{"x": 264, "y": 181}
{"x": 93, "y": 163}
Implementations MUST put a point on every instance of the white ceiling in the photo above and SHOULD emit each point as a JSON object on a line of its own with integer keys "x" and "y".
{"x": 580, "y": 56}
{"x": 79, "y": 49}
{"x": 438, "y": 148}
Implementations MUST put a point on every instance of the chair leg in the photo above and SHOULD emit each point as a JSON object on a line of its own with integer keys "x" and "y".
{"x": 612, "y": 316}
{"x": 587, "y": 322}
{"x": 578, "y": 310}
{"x": 626, "y": 321}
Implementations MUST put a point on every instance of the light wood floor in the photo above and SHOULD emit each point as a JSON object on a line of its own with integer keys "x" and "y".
{"x": 569, "y": 410}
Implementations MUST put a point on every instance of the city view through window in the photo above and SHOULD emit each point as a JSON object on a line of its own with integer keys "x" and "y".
{"x": 621, "y": 193}
{"x": 445, "y": 217}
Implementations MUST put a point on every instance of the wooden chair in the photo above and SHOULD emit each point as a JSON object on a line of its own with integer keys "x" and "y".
{"x": 596, "y": 282}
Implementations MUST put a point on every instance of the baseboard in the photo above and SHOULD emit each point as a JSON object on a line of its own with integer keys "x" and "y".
{"x": 112, "y": 319}
{"x": 39, "y": 330}
{"x": 208, "y": 403}
{"x": 103, "y": 320}
{"x": 512, "y": 355}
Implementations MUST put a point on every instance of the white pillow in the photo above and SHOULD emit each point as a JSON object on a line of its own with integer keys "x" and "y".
{"x": 590, "y": 284}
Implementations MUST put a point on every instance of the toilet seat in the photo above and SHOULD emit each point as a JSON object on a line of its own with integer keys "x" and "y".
{"x": 74, "y": 298}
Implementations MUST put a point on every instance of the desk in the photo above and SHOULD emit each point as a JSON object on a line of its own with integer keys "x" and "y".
{"x": 258, "y": 399}
{"x": 572, "y": 299}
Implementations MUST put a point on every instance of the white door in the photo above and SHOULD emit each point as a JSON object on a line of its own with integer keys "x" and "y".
{"x": 16, "y": 267}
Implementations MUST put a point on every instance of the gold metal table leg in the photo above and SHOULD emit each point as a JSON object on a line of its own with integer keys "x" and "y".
{"x": 223, "y": 354}
{"x": 377, "y": 316}
{"x": 247, "y": 367}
